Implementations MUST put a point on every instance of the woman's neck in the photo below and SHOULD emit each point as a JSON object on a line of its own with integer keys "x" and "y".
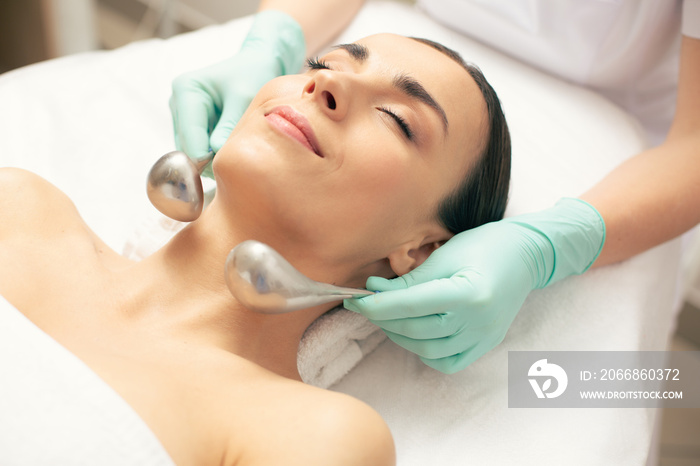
{"x": 182, "y": 288}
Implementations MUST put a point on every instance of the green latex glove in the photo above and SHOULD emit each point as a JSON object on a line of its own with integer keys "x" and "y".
{"x": 460, "y": 302}
{"x": 206, "y": 104}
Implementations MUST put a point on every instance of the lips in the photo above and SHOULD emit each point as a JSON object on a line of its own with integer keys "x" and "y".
{"x": 294, "y": 125}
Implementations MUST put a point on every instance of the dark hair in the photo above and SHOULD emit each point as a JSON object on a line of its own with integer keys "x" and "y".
{"x": 483, "y": 194}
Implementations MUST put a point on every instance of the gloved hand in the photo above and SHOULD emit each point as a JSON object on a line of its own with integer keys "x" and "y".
{"x": 215, "y": 97}
{"x": 460, "y": 302}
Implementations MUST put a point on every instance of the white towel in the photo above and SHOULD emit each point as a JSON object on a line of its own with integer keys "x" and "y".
{"x": 55, "y": 410}
{"x": 330, "y": 347}
{"x": 334, "y": 344}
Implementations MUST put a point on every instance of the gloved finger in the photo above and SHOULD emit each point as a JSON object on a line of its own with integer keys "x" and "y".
{"x": 228, "y": 120}
{"x": 176, "y": 122}
{"x": 192, "y": 113}
{"x": 400, "y": 304}
{"x": 382, "y": 284}
{"x": 422, "y": 274}
{"x": 434, "y": 297}
{"x": 431, "y": 349}
{"x": 485, "y": 341}
{"x": 419, "y": 328}
{"x": 455, "y": 363}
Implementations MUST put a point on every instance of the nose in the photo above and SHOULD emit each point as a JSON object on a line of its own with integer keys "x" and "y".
{"x": 330, "y": 92}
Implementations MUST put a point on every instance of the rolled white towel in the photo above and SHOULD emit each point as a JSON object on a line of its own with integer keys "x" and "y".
{"x": 330, "y": 347}
{"x": 334, "y": 344}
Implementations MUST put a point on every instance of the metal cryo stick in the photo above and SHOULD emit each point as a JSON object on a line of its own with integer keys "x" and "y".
{"x": 175, "y": 187}
{"x": 263, "y": 281}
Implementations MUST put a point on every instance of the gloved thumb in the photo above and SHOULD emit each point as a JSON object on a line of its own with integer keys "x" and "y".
{"x": 416, "y": 276}
{"x": 382, "y": 284}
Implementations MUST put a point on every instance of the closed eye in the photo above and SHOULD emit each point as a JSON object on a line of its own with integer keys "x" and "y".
{"x": 316, "y": 63}
{"x": 402, "y": 124}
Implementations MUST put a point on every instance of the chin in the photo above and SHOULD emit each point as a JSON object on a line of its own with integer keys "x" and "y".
{"x": 254, "y": 184}
{"x": 247, "y": 160}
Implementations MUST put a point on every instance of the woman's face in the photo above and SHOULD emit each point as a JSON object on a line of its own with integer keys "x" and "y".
{"x": 349, "y": 161}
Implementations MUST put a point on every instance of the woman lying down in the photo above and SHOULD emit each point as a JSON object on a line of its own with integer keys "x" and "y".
{"x": 363, "y": 165}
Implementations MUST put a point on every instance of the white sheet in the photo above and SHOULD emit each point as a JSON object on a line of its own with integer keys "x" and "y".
{"x": 55, "y": 410}
{"x": 94, "y": 123}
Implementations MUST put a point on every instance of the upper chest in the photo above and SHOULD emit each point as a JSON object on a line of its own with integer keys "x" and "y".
{"x": 204, "y": 405}
{"x": 61, "y": 284}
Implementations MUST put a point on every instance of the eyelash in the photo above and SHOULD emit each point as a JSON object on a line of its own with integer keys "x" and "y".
{"x": 315, "y": 63}
{"x": 399, "y": 121}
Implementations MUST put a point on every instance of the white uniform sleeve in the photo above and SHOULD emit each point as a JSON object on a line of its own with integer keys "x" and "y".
{"x": 691, "y": 18}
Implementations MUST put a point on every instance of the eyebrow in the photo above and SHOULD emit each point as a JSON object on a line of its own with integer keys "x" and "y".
{"x": 405, "y": 83}
{"x": 359, "y": 52}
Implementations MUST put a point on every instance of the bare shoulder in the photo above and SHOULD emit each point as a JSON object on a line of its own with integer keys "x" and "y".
{"x": 326, "y": 428}
{"x": 31, "y": 201}
{"x": 350, "y": 433}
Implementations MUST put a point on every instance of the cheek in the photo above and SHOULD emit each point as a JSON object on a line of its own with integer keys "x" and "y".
{"x": 282, "y": 86}
{"x": 372, "y": 156}
{"x": 385, "y": 181}
{"x": 379, "y": 170}
{"x": 378, "y": 190}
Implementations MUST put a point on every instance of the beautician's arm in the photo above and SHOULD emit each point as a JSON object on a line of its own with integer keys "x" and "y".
{"x": 206, "y": 104}
{"x": 459, "y": 304}
{"x": 321, "y": 20}
{"x": 655, "y": 196}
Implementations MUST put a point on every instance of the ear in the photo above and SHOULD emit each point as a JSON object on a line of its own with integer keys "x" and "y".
{"x": 412, "y": 254}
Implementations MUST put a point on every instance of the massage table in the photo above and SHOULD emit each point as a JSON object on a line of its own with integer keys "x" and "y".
{"x": 94, "y": 123}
